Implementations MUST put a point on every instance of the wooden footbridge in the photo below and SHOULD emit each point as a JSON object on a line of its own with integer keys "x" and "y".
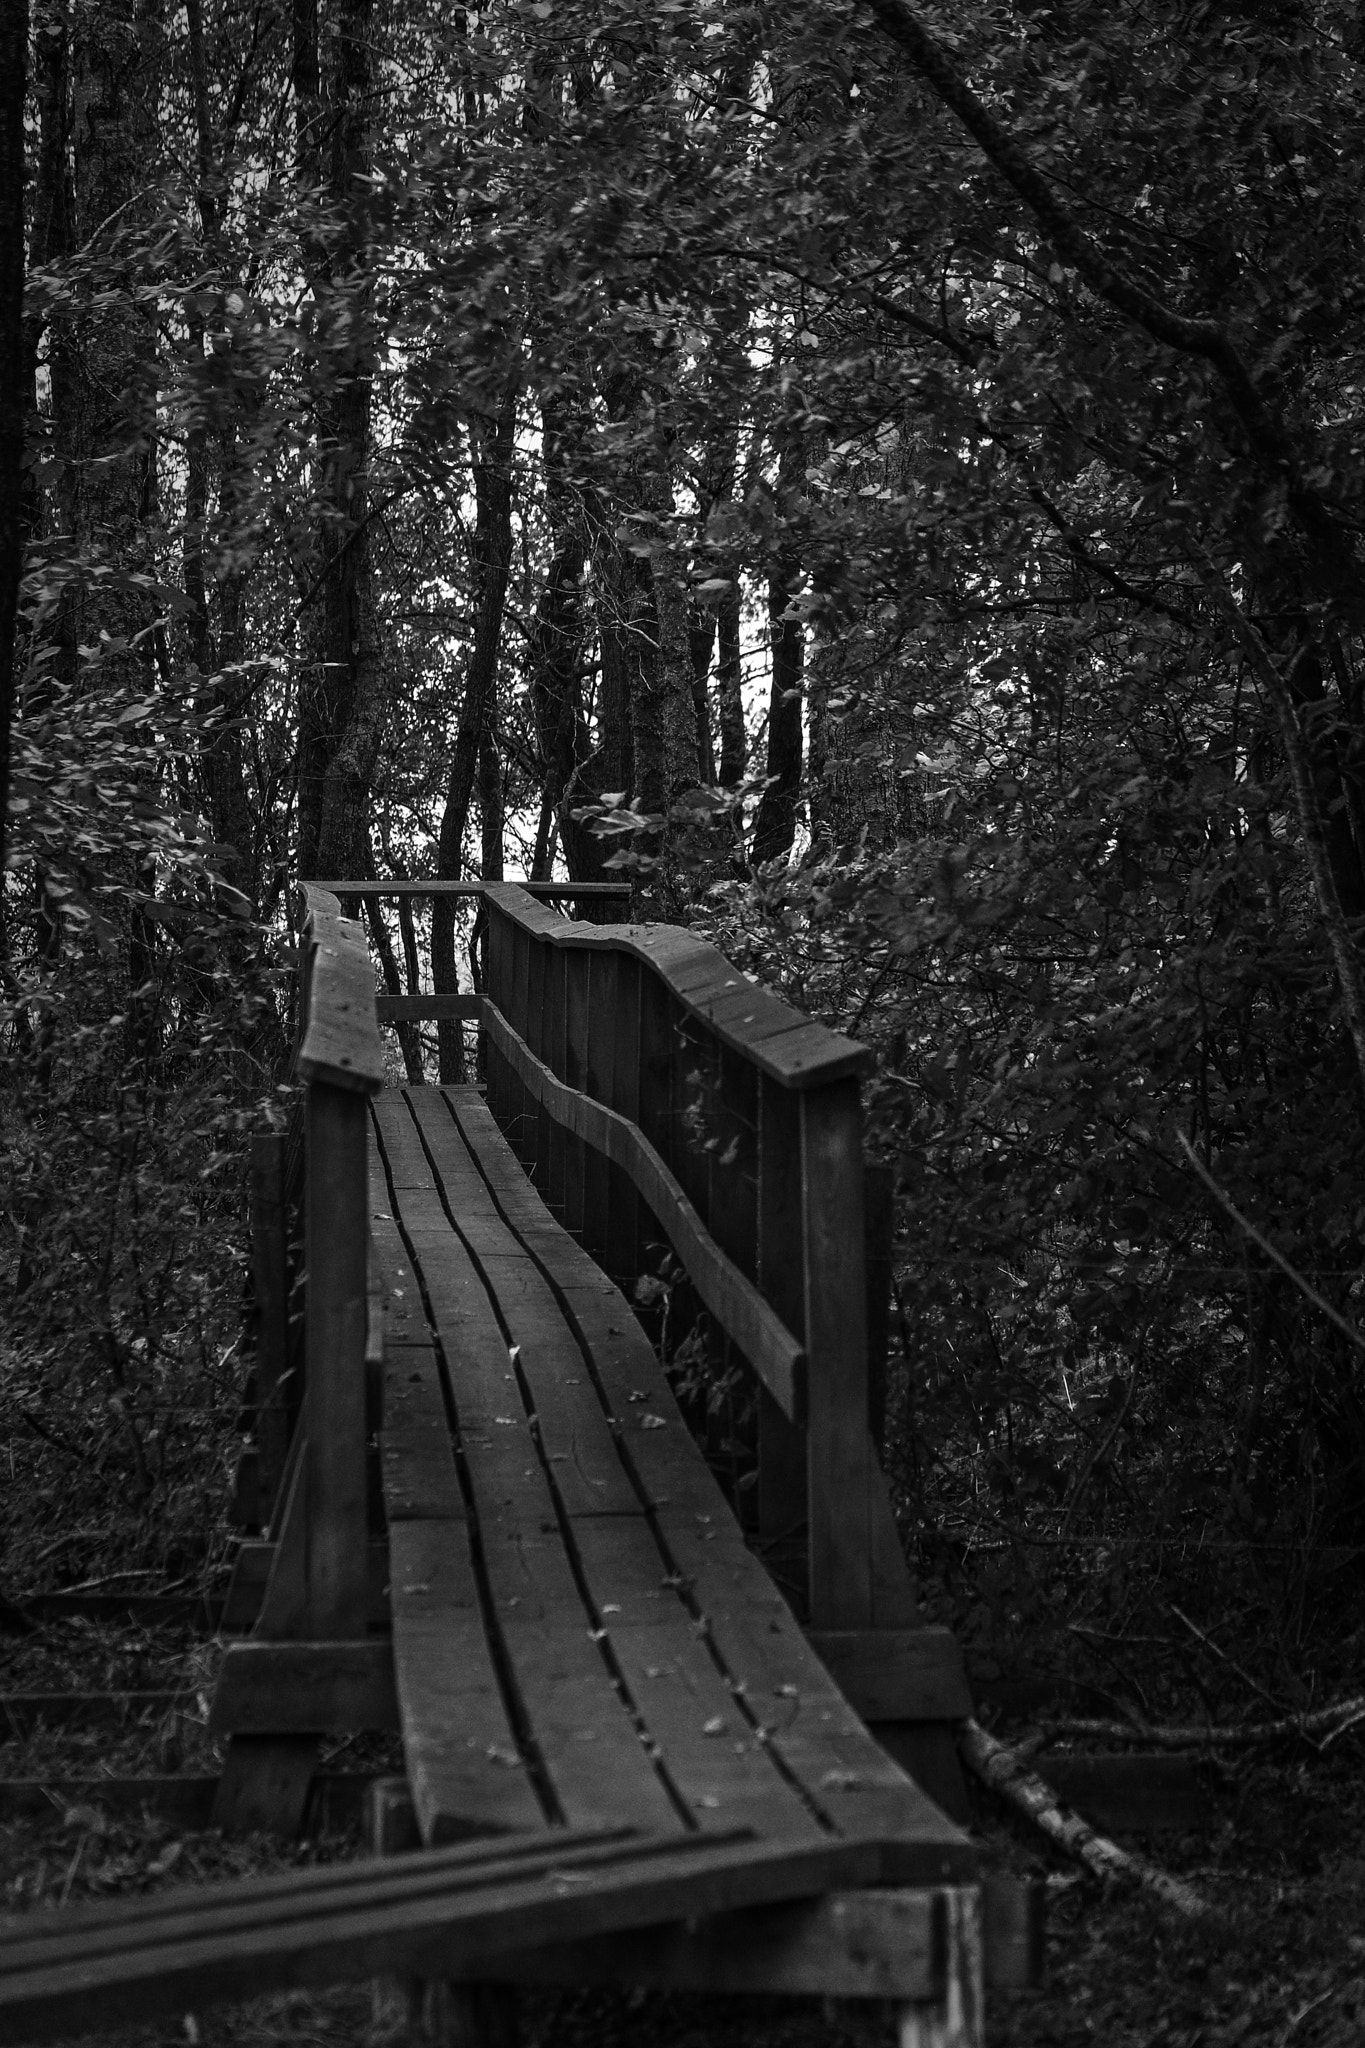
{"x": 630, "y": 1755}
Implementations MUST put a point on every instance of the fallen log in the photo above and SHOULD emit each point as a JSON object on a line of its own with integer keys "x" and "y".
{"x": 1007, "y": 1773}
{"x": 1328, "y": 1722}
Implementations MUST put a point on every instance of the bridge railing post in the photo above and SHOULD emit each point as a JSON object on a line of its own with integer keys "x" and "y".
{"x": 309, "y": 1667}
{"x": 270, "y": 1285}
{"x": 336, "y": 1246}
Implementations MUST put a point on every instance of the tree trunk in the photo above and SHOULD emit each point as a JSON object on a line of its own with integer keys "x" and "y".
{"x": 734, "y": 742}
{"x": 491, "y": 806}
{"x": 222, "y": 767}
{"x": 643, "y": 627}
{"x": 103, "y": 363}
{"x": 491, "y": 443}
{"x": 343, "y": 704}
{"x": 727, "y": 372}
{"x": 15, "y": 376}
{"x": 775, "y": 824}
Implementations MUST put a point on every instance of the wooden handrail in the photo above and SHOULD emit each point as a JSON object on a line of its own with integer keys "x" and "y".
{"x": 775, "y": 1355}
{"x": 340, "y": 1043}
{"x": 545, "y": 892}
{"x": 341, "y": 1059}
{"x": 753, "y": 1113}
{"x": 778, "y": 1039}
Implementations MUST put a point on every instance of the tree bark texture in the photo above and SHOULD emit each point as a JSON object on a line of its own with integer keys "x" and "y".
{"x": 14, "y": 371}
{"x": 97, "y": 105}
{"x": 491, "y": 444}
{"x": 643, "y": 624}
{"x": 558, "y": 641}
{"x": 208, "y": 589}
{"x": 343, "y": 701}
{"x": 775, "y": 823}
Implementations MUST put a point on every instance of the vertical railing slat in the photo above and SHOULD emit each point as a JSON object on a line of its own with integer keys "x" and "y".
{"x": 576, "y": 970}
{"x": 538, "y": 1120}
{"x": 780, "y": 1250}
{"x": 835, "y": 1289}
{"x": 624, "y": 1248}
{"x": 552, "y": 1051}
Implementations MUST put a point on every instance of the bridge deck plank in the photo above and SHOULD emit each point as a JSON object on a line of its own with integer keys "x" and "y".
{"x": 610, "y": 1555}
{"x": 573, "y": 1727}
{"x": 574, "y": 1566}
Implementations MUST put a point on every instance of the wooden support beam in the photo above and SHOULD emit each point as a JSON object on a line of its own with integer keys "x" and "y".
{"x": 896, "y": 1674}
{"x": 885, "y": 1942}
{"x": 265, "y": 1785}
{"x": 270, "y": 1282}
{"x": 440, "y": 1911}
{"x": 956, "y": 2017}
{"x": 305, "y": 1688}
{"x": 245, "y": 1598}
{"x": 910, "y": 1686}
{"x": 250, "y": 1509}
{"x": 336, "y": 1208}
{"x": 848, "y": 1944}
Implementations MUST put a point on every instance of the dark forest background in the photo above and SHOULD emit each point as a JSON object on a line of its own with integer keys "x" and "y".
{"x": 888, "y": 481}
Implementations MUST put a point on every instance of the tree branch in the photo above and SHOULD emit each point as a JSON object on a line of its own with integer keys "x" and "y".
{"x": 1006, "y": 1772}
{"x": 1305, "y": 803}
{"x": 1201, "y": 338}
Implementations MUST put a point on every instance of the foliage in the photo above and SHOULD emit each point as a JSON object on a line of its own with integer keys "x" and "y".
{"x": 520, "y": 417}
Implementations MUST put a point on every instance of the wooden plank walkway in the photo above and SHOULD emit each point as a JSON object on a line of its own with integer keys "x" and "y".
{"x": 580, "y": 1635}
{"x": 533, "y": 1574}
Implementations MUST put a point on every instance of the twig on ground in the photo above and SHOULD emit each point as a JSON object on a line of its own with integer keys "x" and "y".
{"x": 1326, "y": 1721}
{"x": 1006, "y": 1772}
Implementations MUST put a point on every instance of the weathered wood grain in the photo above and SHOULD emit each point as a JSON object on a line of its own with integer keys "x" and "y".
{"x": 298, "y": 1688}
{"x": 340, "y": 1043}
{"x": 336, "y": 1212}
{"x": 897, "y": 1674}
{"x": 540, "y": 892}
{"x": 839, "y": 1452}
{"x": 749, "y": 1629}
{"x": 775, "y": 1356}
{"x": 866, "y": 1945}
{"x": 779, "y": 1040}
{"x": 270, "y": 1284}
{"x": 583, "y": 1731}
{"x": 409, "y": 1918}
{"x": 464, "y": 1762}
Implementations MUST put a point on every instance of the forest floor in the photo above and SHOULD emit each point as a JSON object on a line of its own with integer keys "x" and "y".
{"x": 1279, "y": 1960}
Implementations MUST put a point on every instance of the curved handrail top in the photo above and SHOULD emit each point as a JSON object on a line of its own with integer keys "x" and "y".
{"x": 341, "y": 1044}
{"x": 780, "y": 1040}
{"x": 778, "y": 1357}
